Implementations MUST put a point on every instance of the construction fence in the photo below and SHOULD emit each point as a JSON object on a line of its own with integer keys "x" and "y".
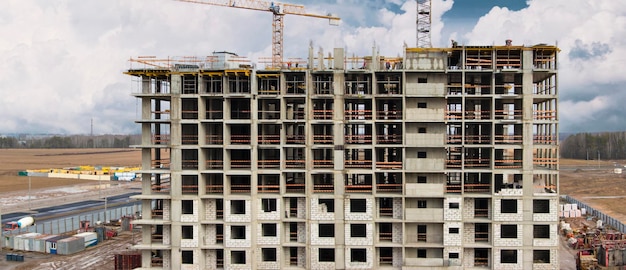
{"x": 606, "y": 219}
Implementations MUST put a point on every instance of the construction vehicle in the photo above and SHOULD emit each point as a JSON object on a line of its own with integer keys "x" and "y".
{"x": 279, "y": 10}
{"x": 21, "y": 223}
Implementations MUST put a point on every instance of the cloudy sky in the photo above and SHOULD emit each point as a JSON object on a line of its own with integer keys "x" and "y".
{"x": 62, "y": 61}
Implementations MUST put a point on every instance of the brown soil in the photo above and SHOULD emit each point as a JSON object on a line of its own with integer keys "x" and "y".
{"x": 14, "y": 160}
{"x": 585, "y": 180}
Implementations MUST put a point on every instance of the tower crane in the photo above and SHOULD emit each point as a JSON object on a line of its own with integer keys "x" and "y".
{"x": 423, "y": 23}
{"x": 279, "y": 10}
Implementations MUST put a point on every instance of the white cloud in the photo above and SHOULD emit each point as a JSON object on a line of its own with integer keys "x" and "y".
{"x": 591, "y": 35}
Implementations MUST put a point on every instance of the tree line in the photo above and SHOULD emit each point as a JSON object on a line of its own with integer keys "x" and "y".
{"x": 606, "y": 145}
{"x": 70, "y": 141}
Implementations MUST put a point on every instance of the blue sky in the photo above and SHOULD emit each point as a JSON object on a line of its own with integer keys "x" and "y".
{"x": 62, "y": 61}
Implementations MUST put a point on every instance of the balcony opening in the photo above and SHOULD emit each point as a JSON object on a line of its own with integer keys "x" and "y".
{"x": 389, "y": 158}
{"x": 385, "y": 256}
{"x": 358, "y": 110}
{"x": 481, "y": 208}
{"x": 358, "y": 84}
{"x": 508, "y": 231}
{"x": 327, "y": 204}
{"x": 239, "y": 134}
{"x": 296, "y": 83}
{"x": 508, "y": 206}
{"x": 453, "y": 182}
{"x": 219, "y": 208}
{"x": 295, "y": 109}
{"x": 189, "y": 134}
{"x": 358, "y": 134}
{"x": 326, "y": 255}
{"x": 268, "y": 205}
{"x": 389, "y": 182}
{"x": 238, "y": 83}
{"x": 219, "y": 258}
{"x": 508, "y": 256}
{"x": 213, "y": 83}
{"x": 389, "y": 109}
{"x": 541, "y": 206}
{"x": 238, "y": 207}
{"x": 269, "y": 109}
{"x": 358, "y": 255}
{"x": 157, "y": 209}
{"x": 237, "y": 232}
{"x": 323, "y": 182}
{"x": 187, "y": 232}
{"x": 481, "y": 257}
{"x": 323, "y": 134}
{"x": 214, "y": 183}
{"x": 189, "y": 108}
{"x": 238, "y": 257}
{"x": 240, "y": 184}
{"x": 326, "y": 230}
{"x": 388, "y": 133}
{"x": 385, "y": 232}
{"x": 157, "y": 258}
{"x": 219, "y": 233}
{"x": 541, "y": 231}
{"x": 214, "y": 158}
{"x": 269, "y": 84}
{"x": 294, "y": 133}
{"x": 295, "y": 182}
{"x": 268, "y": 183}
{"x": 269, "y": 134}
{"x": 358, "y": 230}
{"x": 323, "y": 109}
{"x": 295, "y": 157}
{"x": 293, "y": 256}
{"x": 189, "y": 159}
{"x": 214, "y": 134}
{"x": 240, "y": 108}
{"x": 508, "y": 182}
{"x": 481, "y": 232}
{"x": 389, "y": 83}
{"x": 358, "y": 183}
{"x": 477, "y": 182}
{"x": 268, "y": 229}
{"x": 358, "y": 158}
{"x": 422, "y": 253}
{"x": 214, "y": 108}
{"x": 385, "y": 207}
{"x": 323, "y": 158}
{"x": 187, "y": 207}
{"x": 358, "y": 205}
{"x": 541, "y": 256}
{"x": 189, "y": 184}
{"x": 268, "y": 254}
{"x": 186, "y": 256}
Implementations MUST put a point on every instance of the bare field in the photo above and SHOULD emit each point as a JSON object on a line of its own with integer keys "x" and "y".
{"x": 14, "y": 160}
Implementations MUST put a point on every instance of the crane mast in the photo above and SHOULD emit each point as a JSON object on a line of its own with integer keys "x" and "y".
{"x": 423, "y": 23}
{"x": 279, "y": 10}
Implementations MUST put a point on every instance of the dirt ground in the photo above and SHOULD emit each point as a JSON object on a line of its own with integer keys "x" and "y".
{"x": 14, "y": 160}
{"x": 596, "y": 184}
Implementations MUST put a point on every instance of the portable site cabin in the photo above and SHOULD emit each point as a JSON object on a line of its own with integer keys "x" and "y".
{"x": 51, "y": 244}
{"x": 70, "y": 245}
{"x": 39, "y": 244}
{"x": 91, "y": 238}
{"x": 24, "y": 241}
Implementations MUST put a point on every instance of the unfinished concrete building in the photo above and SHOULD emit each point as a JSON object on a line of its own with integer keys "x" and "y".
{"x": 444, "y": 158}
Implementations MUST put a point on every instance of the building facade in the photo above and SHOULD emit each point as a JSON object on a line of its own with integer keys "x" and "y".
{"x": 444, "y": 158}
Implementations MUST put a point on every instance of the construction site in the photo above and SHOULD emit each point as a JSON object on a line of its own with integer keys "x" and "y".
{"x": 437, "y": 158}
